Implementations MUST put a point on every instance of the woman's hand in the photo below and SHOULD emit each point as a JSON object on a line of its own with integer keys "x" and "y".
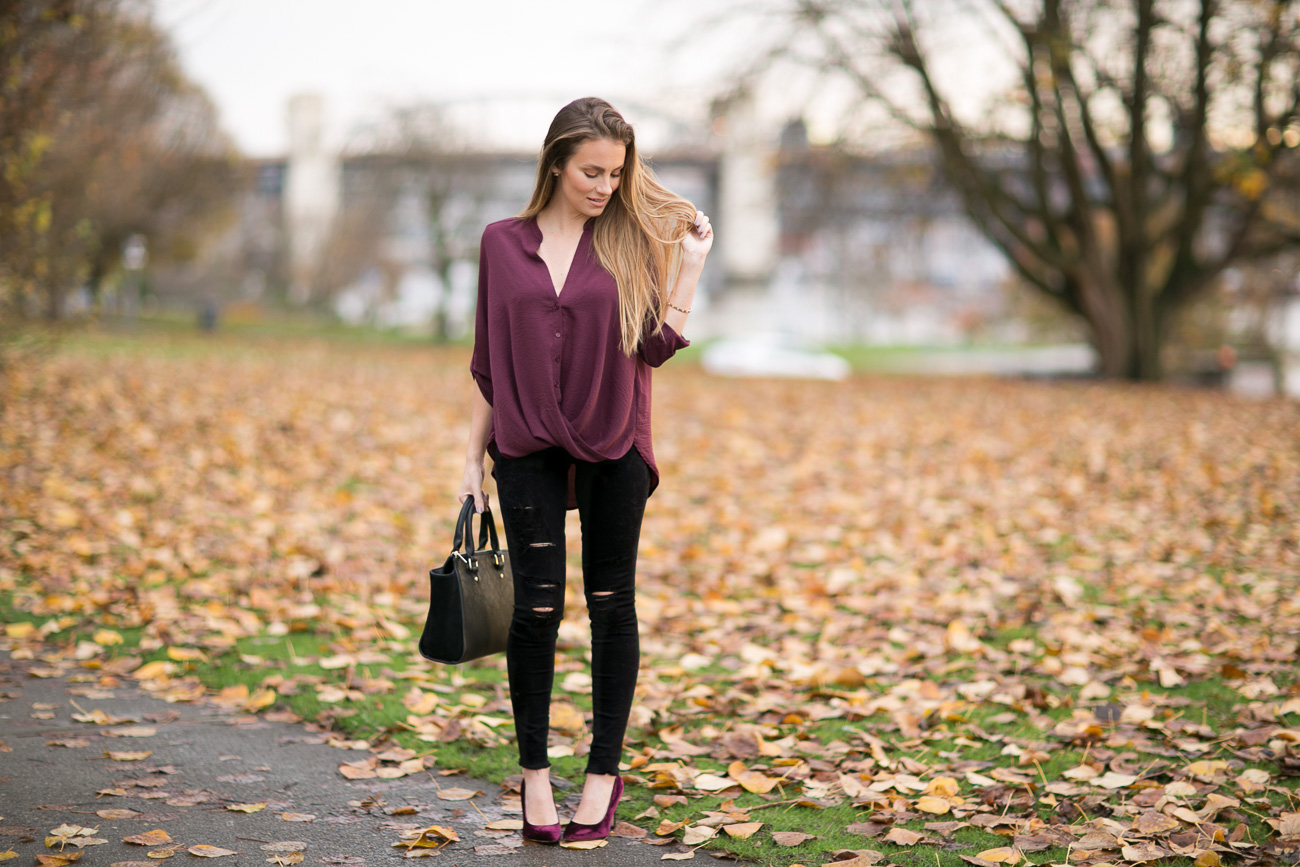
{"x": 471, "y": 484}
{"x": 699, "y": 240}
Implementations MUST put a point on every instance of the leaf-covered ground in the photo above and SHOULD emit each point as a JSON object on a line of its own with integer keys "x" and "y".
{"x": 895, "y": 620}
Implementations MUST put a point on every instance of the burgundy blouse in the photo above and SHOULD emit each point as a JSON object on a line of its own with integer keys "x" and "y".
{"x": 551, "y": 365}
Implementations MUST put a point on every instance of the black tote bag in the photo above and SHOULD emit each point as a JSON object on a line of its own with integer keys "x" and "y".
{"x": 471, "y": 596}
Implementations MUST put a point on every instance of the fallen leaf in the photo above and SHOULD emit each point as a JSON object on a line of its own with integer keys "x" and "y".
{"x": 155, "y": 837}
{"x": 903, "y": 837}
{"x": 61, "y": 860}
{"x": 1150, "y": 822}
{"x": 245, "y": 808}
{"x": 931, "y": 804}
{"x": 791, "y": 838}
{"x": 1143, "y": 853}
{"x": 713, "y": 783}
{"x": 203, "y": 850}
{"x": 298, "y": 817}
{"x": 128, "y": 756}
{"x": 860, "y": 858}
{"x": 116, "y": 814}
{"x": 742, "y": 830}
{"x": 1001, "y": 855}
{"x": 751, "y": 781}
{"x": 457, "y": 794}
{"x": 1112, "y": 780}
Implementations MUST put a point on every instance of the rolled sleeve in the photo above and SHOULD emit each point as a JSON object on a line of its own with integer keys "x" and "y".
{"x": 657, "y": 348}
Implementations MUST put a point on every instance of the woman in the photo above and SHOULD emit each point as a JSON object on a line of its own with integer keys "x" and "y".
{"x": 579, "y": 297}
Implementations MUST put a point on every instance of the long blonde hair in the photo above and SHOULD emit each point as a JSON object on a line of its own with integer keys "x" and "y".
{"x": 637, "y": 237}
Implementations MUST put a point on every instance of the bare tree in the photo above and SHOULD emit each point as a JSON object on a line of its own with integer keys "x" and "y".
{"x": 115, "y": 142}
{"x": 1144, "y": 147}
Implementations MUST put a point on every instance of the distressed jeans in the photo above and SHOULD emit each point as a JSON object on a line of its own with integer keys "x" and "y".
{"x": 533, "y": 493}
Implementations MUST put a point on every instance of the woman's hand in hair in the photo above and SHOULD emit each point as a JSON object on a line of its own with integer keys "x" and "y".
{"x": 699, "y": 240}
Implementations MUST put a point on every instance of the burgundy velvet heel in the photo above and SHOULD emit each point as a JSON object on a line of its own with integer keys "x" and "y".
{"x": 575, "y": 832}
{"x": 536, "y": 833}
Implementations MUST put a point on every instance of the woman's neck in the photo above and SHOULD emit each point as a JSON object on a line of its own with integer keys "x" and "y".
{"x": 556, "y": 219}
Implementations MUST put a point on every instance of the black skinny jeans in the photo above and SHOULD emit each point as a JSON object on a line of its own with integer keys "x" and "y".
{"x": 533, "y": 493}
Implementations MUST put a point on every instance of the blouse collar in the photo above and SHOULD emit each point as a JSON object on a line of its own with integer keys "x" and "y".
{"x": 532, "y": 234}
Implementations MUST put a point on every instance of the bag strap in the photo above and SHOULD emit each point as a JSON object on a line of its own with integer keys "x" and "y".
{"x": 487, "y": 523}
{"x": 463, "y": 530}
{"x": 487, "y": 532}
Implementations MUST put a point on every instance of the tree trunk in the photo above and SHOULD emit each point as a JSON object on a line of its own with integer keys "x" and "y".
{"x": 1127, "y": 332}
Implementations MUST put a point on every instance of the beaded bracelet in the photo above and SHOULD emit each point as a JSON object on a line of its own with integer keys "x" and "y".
{"x": 679, "y": 309}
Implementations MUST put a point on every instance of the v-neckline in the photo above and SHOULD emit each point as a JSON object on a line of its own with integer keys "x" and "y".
{"x": 559, "y": 290}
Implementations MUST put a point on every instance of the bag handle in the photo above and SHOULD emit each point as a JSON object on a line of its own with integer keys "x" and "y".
{"x": 487, "y": 531}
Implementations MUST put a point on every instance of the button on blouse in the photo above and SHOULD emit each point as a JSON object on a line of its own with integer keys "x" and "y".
{"x": 552, "y": 367}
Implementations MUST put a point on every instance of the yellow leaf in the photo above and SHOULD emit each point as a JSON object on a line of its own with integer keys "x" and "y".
{"x": 11, "y": 854}
{"x": 156, "y": 670}
{"x": 432, "y": 837}
{"x": 943, "y": 787}
{"x": 743, "y": 830}
{"x": 751, "y": 781}
{"x": 186, "y": 654}
{"x": 1000, "y": 855}
{"x": 567, "y": 719}
{"x": 106, "y": 637}
{"x": 19, "y": 630}
{"x": 245, "y": 808}
{"x": 155, "y": 837}
{"x": 583, "y": 844}
{"x": 128, "y": 756}
{"x": 260, "y": 699}
{"x": 931, "y": 804}
{"x": 1207, "y": 767}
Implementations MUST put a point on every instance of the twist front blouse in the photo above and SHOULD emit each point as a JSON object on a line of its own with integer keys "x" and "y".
{"x": 550, "y": 365}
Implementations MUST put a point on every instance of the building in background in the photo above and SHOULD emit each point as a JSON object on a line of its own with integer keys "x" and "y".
{"x": 813, "y": 242}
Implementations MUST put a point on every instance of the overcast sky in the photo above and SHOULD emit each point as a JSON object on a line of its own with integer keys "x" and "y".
{"x": 514, "y": 61}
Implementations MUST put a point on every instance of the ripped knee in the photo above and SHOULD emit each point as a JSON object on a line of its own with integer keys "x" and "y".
{"x": 612, "y": 607}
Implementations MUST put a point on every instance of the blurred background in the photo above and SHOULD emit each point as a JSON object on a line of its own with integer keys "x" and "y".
{"x": 1043, "y": 187}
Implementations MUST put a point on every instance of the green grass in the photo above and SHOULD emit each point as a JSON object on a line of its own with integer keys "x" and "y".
{"x": 381, "y": 717}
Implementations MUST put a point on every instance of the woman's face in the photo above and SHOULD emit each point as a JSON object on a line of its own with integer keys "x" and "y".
{"x": 590, "y": 177}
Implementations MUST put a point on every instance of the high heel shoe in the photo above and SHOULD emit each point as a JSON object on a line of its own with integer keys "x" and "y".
{"x": 576, "y": 832}
{"x": 536, "y": 833}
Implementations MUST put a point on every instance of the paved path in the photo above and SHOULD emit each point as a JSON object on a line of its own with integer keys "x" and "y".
{"x": 205, "y": 758}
